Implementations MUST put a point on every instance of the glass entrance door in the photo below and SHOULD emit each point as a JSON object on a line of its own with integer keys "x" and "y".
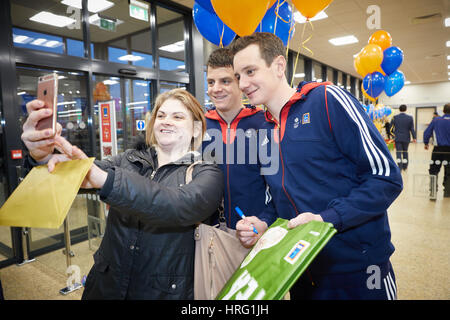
{"x": 132, "y": 100}
{"x": 73, "y": 116}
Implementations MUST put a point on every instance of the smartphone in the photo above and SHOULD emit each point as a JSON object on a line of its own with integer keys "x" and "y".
{"x": 48, "y": 93}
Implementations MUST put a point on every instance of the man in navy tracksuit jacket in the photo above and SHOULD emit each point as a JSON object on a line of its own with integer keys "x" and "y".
{"x": 334, "y": 167}
{"x": 441, "y": 152}
{"x": 231, "y": 141}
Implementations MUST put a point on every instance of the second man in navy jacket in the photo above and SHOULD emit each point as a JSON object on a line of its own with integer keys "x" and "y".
{"x": 231, "y": 141}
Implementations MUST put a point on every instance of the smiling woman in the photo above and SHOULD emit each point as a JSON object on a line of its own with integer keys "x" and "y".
{"x": 153, "y": 211}
{"x": 177, "y": 124}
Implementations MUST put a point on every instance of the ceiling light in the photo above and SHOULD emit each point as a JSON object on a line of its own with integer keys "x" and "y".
{"x": 299, "y": 75}
{"x": 447, "y": 43}
{"x": 52, "y": 44}
{"x": 299, "y": 18}
{"x": 21, "y": 93}
{"x": 52, "y": 19}
{"x": 448, "y": 57}
{"x": 93, "y": 6}
{"x": 173, "y": 47}
{"x": 447, "y": 22}
{"x": 22, "y": 39}
{"x": 39, "y": 41}
{"x": 340, "y": 41}
{"x": 448, "y": 67}
{"x": 110, "y": 82}
{"x": 130, "y": 57}
{"x": 407, "y": 82}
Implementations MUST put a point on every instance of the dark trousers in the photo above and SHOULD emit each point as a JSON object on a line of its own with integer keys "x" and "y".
{"x": 441, "y": 156}
{"x": 377, "y": 282}
{"x": 402, "y": 154}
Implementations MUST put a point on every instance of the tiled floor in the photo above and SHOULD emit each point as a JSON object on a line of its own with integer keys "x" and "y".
{"x": 420, "y": 232}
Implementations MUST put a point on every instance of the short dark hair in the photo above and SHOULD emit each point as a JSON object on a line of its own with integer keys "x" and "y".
{"x": 270, "y": 46}
{"x": 219, "y": 58}
{"x": 447, "y": 108}
{"x": 402, "y": 108}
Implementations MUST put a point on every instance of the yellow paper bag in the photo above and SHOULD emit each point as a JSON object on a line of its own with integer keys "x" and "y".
{"x": 43, "y": 199}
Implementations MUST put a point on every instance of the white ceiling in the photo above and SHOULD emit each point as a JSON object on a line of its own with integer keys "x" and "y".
{"x": 423, "y": 44}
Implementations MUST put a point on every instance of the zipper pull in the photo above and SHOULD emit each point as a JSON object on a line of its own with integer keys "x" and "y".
{"x": 152, "y": 175}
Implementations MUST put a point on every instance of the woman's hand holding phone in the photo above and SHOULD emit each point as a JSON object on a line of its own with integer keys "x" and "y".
{"x": 40, "y": 143}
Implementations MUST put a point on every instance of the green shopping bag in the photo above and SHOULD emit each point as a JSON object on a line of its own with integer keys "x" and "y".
{"x": 276, "y": 261}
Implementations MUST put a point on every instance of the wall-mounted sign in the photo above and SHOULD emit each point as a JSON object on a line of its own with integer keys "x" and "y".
{"x": 140, "y": 125}
{"x": 108, "y": 139}
{"x": 139, "y": 10}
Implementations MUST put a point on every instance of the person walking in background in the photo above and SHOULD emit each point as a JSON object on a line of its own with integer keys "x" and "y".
{"x": 403, "y": 127}
{"x": 441, "y": 152}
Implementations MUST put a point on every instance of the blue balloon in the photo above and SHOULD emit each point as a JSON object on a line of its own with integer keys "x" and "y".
{"x": 392, "y": 59}
{"x": 394, "y": 83}
{"x": 211, "y": 27}
{"x": 387, "y": 111}
{"x": 206, "y": 4}
{"x": 284, "y": 22}
{"x": 373, "y": 84}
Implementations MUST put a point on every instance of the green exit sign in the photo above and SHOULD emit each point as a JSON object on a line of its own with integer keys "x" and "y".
{"x": 108, "y": 25}
{"x": 139, "y": 10}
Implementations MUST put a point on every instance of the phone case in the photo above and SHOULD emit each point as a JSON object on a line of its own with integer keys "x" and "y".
{"x": 48, "y": 92}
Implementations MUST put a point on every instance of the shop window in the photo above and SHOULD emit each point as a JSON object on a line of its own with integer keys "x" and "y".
{"x": 167, "y": 86}
{"x": 44, "y": 25}
{"x": 72, "y": 101}
{"x": 299, "y": 70}
{"x": 75, "y": 48}
{"x": 119, "y": 35}
{"x": 137, "y": 104}
{"x": 171, "y": 46}
{"x": 317, "y": 72}
{"x": 330, "y": 74}
{"x": 108, "y": 89}
{"x": 340, "y": 82}
{"x": 37, "y": 41}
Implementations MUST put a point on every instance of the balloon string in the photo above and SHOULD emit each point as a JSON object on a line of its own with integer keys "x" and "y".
{"x": 276, "y": 17}
{"x": 277, "y": 10}
{"x": 302, "y": 45}
{"x": 221, "y": 36}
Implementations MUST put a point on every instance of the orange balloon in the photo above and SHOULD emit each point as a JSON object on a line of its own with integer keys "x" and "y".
{"x": 309, "y": 8}
{"x": 241, "y": 16}
{"x": 371, "y": 57}
{"x": 381, "y": 38}
{"x": 358, "y": 67}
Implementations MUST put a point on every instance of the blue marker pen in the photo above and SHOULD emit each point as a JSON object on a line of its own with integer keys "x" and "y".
{"x": 241, "y": 214}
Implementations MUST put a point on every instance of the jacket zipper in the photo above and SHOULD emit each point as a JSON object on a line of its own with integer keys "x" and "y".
{"x": 226, "y": 159}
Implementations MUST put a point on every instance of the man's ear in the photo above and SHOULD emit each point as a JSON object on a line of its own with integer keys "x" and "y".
{"x": 279, "y": 64}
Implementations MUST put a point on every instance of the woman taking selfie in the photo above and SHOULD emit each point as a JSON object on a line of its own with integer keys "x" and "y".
{"x": 148, "y": 248}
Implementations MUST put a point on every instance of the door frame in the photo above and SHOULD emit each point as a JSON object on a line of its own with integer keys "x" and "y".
{"x": 417, "y": 110}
